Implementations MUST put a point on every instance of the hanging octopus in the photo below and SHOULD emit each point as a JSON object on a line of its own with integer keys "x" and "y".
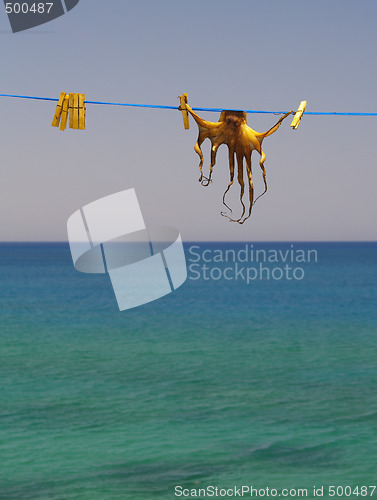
{"x": 232, "y": 130}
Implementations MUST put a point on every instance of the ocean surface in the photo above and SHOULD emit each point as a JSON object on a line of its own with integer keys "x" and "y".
{"x": 268, "y": 382}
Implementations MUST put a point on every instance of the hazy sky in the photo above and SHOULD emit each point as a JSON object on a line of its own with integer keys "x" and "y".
{"x": 240, "y": 54}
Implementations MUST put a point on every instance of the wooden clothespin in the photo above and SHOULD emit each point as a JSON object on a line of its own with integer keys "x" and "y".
{"x": 183, "y": 100}
{"x": 58, "y": 112}
{"x": 63, "y": 123}
{"x": 70, "y": 106}
{"x": 73, "y": 111}
{"x": 82, "y": 119}
{"x": 70, "y": 109}
{"x": 297, "y": 118}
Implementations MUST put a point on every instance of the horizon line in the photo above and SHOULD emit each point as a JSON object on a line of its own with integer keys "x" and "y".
{"x": 201, "y": 241}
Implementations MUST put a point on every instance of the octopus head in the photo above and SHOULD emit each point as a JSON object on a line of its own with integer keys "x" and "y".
{"x": 233, "y": 119}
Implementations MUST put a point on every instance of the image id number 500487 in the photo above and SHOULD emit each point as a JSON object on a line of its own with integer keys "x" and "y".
{"x": 24, "y": 8}
{"x": 347, "y": 491}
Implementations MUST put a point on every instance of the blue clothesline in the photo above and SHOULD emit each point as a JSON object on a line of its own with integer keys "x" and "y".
{"x": 217, "y": 110}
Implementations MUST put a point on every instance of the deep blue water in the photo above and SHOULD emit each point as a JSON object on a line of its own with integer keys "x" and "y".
{"x": 224, "y": 383}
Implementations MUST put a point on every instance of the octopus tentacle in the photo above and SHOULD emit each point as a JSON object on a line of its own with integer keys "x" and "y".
{"x": 203, "y": 123}
{"x": 239, "y": 157}
{"x": 213, "y": 161}
{"x": 199, "y": 151}
{"x": 261, "y": 164}
{"x": 203, "y": 134}
{"x": 215, "y": 146}
{"x": 251, "y": 188}
{"x": 231, "y": 170}
{"x": 241, "y": 181}
{"x": 275, "y": 127}
{"x": 216, "y": 140}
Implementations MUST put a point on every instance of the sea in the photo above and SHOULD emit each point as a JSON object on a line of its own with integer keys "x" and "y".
{"x": 256, "y": 378}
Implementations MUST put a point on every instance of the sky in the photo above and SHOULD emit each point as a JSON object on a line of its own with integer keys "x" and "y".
{"x": 242, "y": 54}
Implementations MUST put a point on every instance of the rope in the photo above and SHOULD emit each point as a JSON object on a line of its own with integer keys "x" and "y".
{"x": 216, "y": 110}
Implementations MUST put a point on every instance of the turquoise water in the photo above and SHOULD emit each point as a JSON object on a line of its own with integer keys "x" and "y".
{"x": 223, "y": 383}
